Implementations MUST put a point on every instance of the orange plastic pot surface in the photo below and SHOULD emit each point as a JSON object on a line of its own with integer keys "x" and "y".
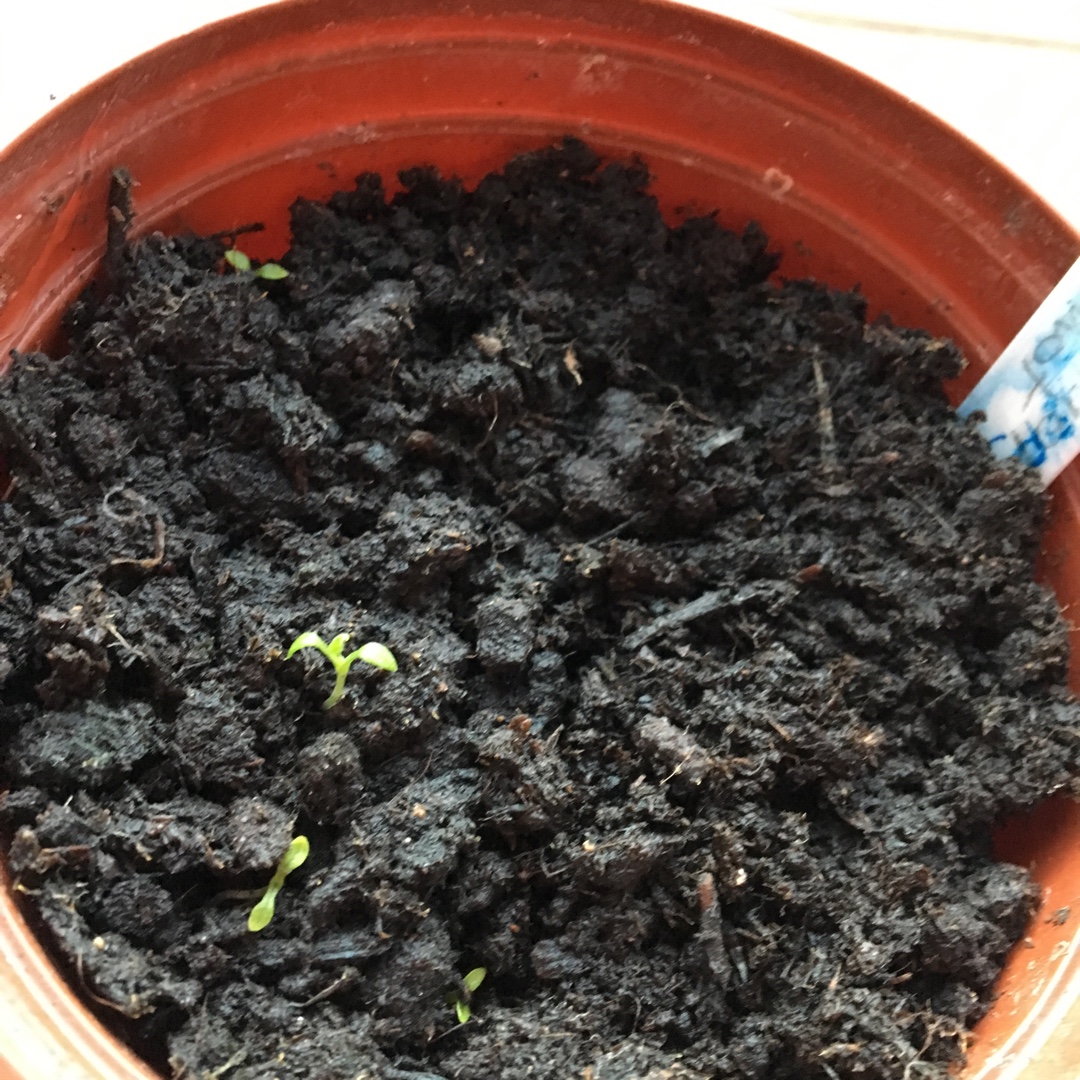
{"x": 854, "y": 184}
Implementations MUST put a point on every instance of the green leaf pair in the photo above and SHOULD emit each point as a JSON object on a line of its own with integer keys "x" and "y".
{"x": 270, "y": 271}
{"x": 372, "y": 653}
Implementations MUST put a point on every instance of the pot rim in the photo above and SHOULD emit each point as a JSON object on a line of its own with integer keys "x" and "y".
{"x": 53, "y": 1028}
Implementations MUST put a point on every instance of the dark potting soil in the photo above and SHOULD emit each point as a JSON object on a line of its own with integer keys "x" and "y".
{"x": 720, "y": 653}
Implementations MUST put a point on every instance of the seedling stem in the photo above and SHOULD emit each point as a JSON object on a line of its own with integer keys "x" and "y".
{"x": 294, "y": 856}
{"x": 372, "y": 653}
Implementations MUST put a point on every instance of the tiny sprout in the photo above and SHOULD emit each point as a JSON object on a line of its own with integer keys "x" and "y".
{"x": 469, "y": 985}
{"x": 294, "y": 856}
{"x": 268, "y": 271}
{"x": 372, "y": 653}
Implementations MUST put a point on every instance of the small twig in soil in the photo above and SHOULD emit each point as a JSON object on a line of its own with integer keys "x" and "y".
{"x": 825, "y": 419}
{"x": 617, "y": 530}
{"x": 227, "y": 895}
{"x": 940, "y": 1027}
{"x": 240, "y": 230}
{"x": 342, "y": 982}
{"x": 97, "y": 997}
{"x": 491, "y": 427}
{"x": 710, "y": 935}
{"x": 680, "y": 401}
{"x": 236, "y": 1060}
{"x": 159, "y": 550}
{"x": 705, "y": 604}
{"x": 111, "y": 627}
{"x": 950, "y": 532}
{"x": 141, "y": 506}
{"x": 690, "y": 410}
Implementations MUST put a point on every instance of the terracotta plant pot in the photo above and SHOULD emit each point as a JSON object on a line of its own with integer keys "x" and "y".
{"x": 856, "y": 185}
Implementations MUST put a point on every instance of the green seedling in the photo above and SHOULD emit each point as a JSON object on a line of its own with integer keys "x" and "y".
{"x": 372, "y": 653}
{"x": 294, "y": 856}
{"x": 268, "y": 271}
{"x": 462, "y": 1001}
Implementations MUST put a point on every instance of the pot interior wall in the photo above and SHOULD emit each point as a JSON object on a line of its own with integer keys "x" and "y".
{"x": 855, "y": 186}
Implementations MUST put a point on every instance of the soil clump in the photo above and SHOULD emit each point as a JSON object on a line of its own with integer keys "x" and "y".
{"x": 720, "y": 653}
